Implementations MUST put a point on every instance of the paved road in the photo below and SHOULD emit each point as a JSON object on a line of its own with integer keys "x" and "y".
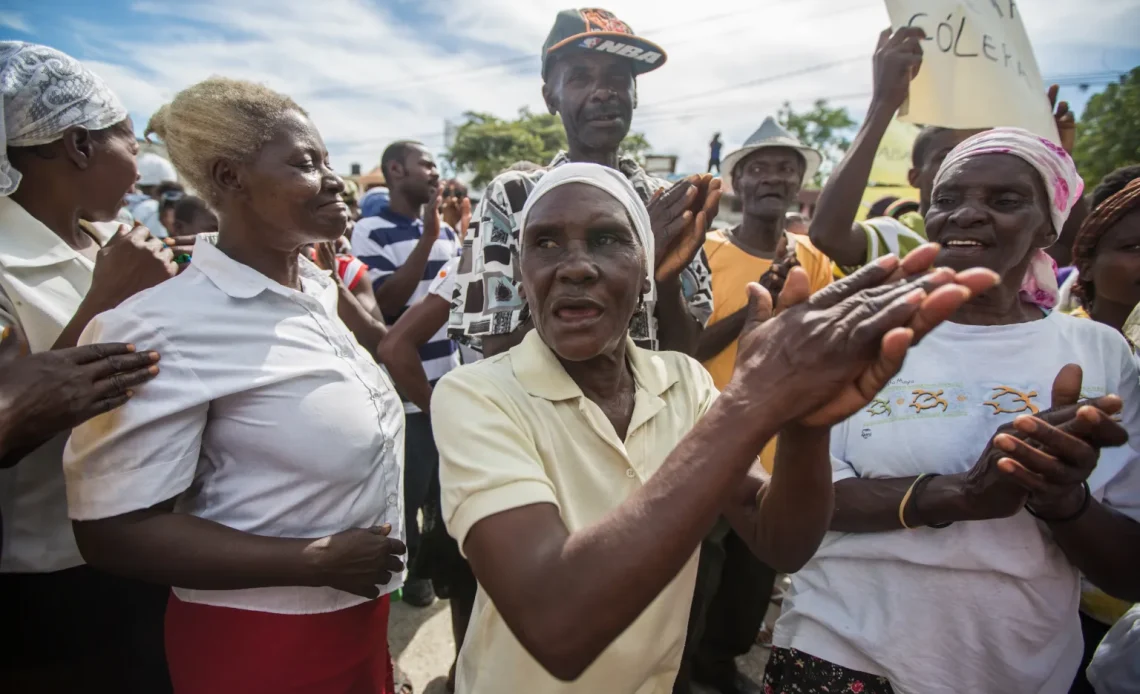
{"x": 420, "y": 639}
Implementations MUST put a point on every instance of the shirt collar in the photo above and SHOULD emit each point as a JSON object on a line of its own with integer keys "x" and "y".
{"x": 28, "y": 243}
{"x": 240, "y": 281}
{"x": 538, "y": 370}
{"x": 396, "y": 218}
{"x": 626, "y": 164}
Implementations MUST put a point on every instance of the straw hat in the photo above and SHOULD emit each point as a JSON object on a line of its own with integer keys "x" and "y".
{"x": 770, "y": 134}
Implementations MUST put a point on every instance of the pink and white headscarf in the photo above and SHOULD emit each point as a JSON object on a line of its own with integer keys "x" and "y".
{"x": 1062, "y": 183}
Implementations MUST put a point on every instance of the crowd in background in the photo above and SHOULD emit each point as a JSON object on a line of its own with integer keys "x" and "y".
{"x": 246, "y": 403}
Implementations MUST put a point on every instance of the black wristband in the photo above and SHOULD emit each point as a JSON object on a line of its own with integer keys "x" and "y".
{"x": 913, "y": 503}
{"x": 1071, "y": 517}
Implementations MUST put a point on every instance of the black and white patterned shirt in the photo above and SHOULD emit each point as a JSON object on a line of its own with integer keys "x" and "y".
{"x": 486, "y": 299}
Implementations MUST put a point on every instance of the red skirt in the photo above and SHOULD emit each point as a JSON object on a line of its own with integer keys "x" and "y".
{"x": 222, "y": 650}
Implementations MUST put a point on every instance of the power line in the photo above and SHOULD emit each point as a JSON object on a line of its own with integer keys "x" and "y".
{"x": 453, "y": 75}
{"x": 760, "y": 80}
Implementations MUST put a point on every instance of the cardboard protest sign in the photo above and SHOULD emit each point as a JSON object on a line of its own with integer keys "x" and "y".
{"x": 978, "y": 68}
{"x": 892, "y": 160}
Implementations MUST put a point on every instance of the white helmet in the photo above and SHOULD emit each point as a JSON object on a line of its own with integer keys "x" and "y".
{"x": 153, "y": 170}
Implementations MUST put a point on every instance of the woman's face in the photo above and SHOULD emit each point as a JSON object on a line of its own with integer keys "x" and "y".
{"x": 1116, "y": 267}
{"x": 112, "y": 171}
{"x": 583, "y": 271}
{"x": 989, "y": 211}
{"x": 292, "y": 189}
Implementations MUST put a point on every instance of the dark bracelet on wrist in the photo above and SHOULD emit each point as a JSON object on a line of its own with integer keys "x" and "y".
{"x": 919, "y": 485}
{"x": 1072, "y": 516}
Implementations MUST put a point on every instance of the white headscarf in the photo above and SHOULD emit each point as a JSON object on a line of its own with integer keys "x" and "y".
{"x": 619, "y": 188}
{"x": 43, "y": 93}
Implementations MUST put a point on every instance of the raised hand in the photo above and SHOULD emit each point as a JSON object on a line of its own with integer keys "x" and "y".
{"x": 432, "y": 219}
{"x": 777, "y": 273}
{"x": 132, "y": 261}
{"x": 1064, "y": 118}
{"x": 456, "y": 212}
{"x": 325, "y": 257}
{"x": 826, "y": 357}
{"x": 357, "y": 560}
{"x": 898, "y": 58}
{"x": 464, "y": 218}
{"x": 45, "y": 393}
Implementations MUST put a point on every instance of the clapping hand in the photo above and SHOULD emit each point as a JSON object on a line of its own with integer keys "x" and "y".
{"x": 1053, "y": 453}
{"x": 680, "y": 218}
{"x": 826, "y": 356}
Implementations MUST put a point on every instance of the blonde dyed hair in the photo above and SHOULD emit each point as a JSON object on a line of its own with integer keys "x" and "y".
{"x": 219, "y": 118}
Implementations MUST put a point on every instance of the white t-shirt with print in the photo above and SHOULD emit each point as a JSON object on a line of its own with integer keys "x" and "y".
{"x": 985, "y": 606}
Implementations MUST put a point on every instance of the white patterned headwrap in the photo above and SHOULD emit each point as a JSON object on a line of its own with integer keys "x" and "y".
{"x": 1062, "y": 184}
{"x": 618, "y": 187}
{"x": 43, "y": 93}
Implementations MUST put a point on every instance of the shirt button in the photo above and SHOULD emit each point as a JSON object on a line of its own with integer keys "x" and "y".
{"x": 630, "y": 473}
{"x": 392, "y": 499}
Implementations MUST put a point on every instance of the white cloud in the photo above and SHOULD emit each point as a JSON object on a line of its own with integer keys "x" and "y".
{"x": 15, "y": 21}
{"x": 370, "y": 72}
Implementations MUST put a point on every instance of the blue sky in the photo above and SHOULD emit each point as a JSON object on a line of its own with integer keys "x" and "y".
{"x": 370, "y": 71}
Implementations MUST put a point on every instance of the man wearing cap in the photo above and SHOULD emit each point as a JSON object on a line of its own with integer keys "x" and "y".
{"x": 733, "y": 586}
{"x": 590, "y": 63}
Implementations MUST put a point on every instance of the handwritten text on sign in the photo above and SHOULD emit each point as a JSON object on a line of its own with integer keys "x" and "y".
{"x": 978, "y": 68}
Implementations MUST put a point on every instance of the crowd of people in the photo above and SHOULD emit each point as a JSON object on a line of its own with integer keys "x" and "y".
{"x": 244, "y": 402}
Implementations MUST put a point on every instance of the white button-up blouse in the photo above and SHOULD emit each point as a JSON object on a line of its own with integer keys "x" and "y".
{"x": 267, "y": 416}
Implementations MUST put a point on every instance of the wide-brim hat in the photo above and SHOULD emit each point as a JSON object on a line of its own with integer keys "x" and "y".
{"x": 593, "y": 29}
{"x": 770, "y": 134}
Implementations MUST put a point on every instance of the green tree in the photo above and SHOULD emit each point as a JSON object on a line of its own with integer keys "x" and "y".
{"x": 636, "y": 146}
{"x": 486, "y": 145}
{"x": 821, "y": 127}
{"x": 1108, "y": 133}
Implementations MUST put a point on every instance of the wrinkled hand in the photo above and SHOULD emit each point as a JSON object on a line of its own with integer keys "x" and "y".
{"x": 826, "y": 357}
{"x": 777, "y": 273}
{"x": 680, "y": 218}
{"x": 132, "y": 261}
{"x": 898, "y": 58}
{"x": 988, "y": 492}
{"x": 357, "y": 560}
{"x": 1054, "y": 452}
{"x": 49, "y": 392}
{"x": 1064, "y": 118}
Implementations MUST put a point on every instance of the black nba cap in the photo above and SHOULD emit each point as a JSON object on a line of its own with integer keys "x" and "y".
{"x": 592, "y": 29}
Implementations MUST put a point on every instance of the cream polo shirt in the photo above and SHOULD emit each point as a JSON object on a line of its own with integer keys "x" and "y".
{"x": 42, "y": 282}
{"x": 519, "y": 432}
{"x": 267, "y": 416}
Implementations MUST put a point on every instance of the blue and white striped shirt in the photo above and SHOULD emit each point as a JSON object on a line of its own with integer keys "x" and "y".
{"x": 383, "y": 243}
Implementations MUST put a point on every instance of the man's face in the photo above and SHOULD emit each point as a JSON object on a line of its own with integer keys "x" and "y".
{"x": 768, "y": 181}
{"x": 936, "y": 151}
{"x": 593, "y": 94}
{"x": 421, "y": 177}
